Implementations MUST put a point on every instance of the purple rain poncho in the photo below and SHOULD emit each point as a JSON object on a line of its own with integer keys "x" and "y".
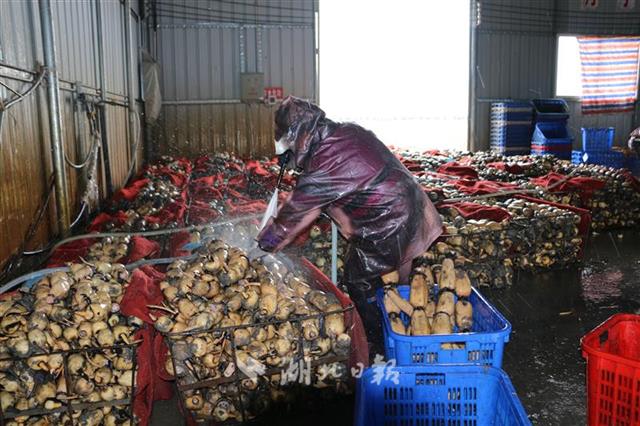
{"x": 353, "y": 177}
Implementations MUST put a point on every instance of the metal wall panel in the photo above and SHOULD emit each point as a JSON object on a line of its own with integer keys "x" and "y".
{"x": 608, "y": 18}
{"x": 202, "y": 48}
{"x": 16, "y": 48}
{"x": 25, "y": 151}
{"x": 516, "y": 55}
{"x": 113, "y": 30}
{"x": 192, "y": 130}
{"x": 75, "y": 45}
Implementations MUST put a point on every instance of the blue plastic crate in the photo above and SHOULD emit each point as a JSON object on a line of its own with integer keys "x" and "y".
{"x": 511, "y": 105}
{"x": 613, "y": 159}
{"x": 597, "y": 139}
{"x": 551, "y": 133}
{"x": 521, "y": 145}
{"x": 483, "y": 345}
{"x": 512, "y": 115}
{"x": 550, "y": 110}
{"x": 499, "y": 124}
{"x": 576, "y": 157}
{"x": 438, "y": 395}
{"x": 522, "y": 131}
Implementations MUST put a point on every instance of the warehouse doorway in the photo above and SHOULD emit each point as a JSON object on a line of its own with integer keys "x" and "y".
{"x": 401, "y": 71}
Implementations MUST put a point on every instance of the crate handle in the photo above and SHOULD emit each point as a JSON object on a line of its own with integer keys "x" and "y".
{"x": 453, "y": 346}
{"x": 604, "y": 336}
{"x": 430, "y": 379}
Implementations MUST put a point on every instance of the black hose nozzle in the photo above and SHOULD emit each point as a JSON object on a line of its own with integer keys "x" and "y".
{"x": 283, "y": 159}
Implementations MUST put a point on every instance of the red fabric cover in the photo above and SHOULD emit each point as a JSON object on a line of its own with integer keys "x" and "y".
{"x": 207, "y": 181}
{"x": 453, "y": 168}
{"x": 69, "y": 252}
{"x": 172, "y": 212}
{"x": 482, "y": 187}
{"x": 434, "y": 152}
{"x": 163, "y": 389}
{"x": 245, "y": 207}
{"x": 359, "y": 346}
{"x": 411, "y": 165}
{"x": 143, "y": 290}
{"x": 201, "y": 212}
{"x": 131, "y": 192}
{"x": 178, "y": 179}
{"x": 176, "y": 242}
{"x": 478, "y": 211}
{"x": 507, "y": 167}
{"x": 255, "y": 167}
{"x": 584, "y": 186}
{"x": 205, "y": 194}
{"x": 141, "y": 248}
{"x": 102, "y": 219}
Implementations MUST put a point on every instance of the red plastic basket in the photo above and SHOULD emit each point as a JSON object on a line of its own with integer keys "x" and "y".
{"x": 612, "y": 351}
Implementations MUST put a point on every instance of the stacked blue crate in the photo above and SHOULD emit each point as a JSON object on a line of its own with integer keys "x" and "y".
{"x": 550, "y": 134}
{"x": 551, "y": 138}
{"x": 511, "y": 127}
{"x": 596, "y": 148}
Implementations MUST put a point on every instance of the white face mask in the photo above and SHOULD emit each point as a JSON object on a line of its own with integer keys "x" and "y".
{"x": 282, "y": 145}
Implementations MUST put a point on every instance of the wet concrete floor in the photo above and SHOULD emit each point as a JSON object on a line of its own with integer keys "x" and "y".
{"x": 549, "y": 313}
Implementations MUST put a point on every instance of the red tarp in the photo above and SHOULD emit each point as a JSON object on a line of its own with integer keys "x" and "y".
{"x": 584, "y": 186}
{"x": 478, "y": 211}
{"x": 454, "y": 168}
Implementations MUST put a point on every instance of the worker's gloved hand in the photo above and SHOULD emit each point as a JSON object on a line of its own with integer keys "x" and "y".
{"x": 268, "y": 241}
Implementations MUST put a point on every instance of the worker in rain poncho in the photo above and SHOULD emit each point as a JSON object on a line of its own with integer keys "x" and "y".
{"x": 634, "y": 141}
{"x": 374, "y": 200}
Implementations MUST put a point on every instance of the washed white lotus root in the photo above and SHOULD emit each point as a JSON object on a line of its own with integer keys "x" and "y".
{"x": 223, "y": 288}
{"x": 75, "y": 310}
{"x": 429, "y": 312}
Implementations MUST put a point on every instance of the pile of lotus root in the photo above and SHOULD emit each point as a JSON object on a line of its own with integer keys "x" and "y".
{"x": 429, "y": 311}
{"x": 235, "y": 324}
{"x": 64, "y": 341}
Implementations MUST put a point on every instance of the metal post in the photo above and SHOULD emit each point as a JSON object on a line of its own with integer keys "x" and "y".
{"x": 334, "y": 253}
{"x": 103, "y": 97}
{"x": 130, "y": 77}
{"x": 316, "y": 51}
{"x": 78, "y": 118}
{"x": 474, "y": 21}
{"x": 55, "y": 123}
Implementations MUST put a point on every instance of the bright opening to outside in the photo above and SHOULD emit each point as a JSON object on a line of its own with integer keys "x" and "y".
{"x": 568, "y": 82}
{"x": 400, "y": 69}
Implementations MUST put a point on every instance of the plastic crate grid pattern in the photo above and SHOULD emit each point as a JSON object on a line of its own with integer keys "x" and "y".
{"x": 439, "y": 395}
{"x": 613, "y": 371}
{"x": 511, "y": 126}
{"x": 596, "y": 139}
{"x": 610, "y": 159}
{"x": 484, "y": 345}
